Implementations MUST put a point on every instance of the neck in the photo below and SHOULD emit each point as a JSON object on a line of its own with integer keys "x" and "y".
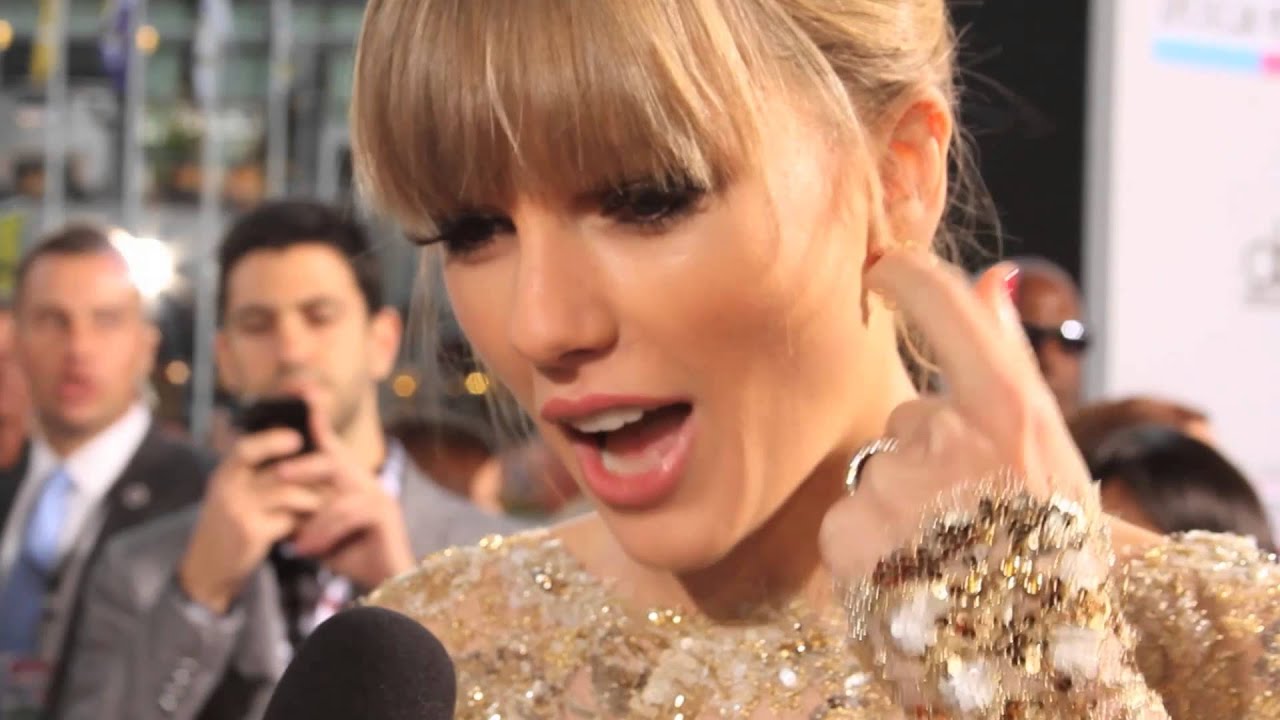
{"x": 781, "y": 562}
{"x": 364, "y": 437}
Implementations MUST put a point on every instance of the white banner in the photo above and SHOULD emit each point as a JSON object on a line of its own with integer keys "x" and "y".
{"x": 1183, "y": 245}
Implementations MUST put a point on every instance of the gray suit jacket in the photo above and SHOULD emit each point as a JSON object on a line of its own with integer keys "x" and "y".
{"x": 144, "y": 651}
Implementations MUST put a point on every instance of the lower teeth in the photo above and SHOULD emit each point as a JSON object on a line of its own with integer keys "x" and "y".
{"x": 619, "y": 465}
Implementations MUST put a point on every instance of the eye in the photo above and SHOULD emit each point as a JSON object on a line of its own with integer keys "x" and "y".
{"x": 468, "y": 233}
{"x": 651, "y": 203}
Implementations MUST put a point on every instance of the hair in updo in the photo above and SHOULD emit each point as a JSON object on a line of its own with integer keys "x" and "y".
{"x": 463, "y": 103}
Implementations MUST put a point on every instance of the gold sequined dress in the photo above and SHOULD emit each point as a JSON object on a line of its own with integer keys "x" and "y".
{"x": 534, "y": 635}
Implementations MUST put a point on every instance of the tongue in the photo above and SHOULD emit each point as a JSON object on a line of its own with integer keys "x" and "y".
{"x": 650, "y": 437}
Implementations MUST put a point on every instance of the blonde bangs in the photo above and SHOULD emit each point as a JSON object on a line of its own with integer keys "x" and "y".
{"x": 460, "y": 104}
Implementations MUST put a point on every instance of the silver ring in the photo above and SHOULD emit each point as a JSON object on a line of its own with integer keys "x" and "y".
{"x": 881, "y": 445}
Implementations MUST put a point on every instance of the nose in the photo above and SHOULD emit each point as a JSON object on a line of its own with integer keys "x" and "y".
{"x": 81, "y": 339}
{"x": 294, "y": 341}
{"x": 561, "y": 315}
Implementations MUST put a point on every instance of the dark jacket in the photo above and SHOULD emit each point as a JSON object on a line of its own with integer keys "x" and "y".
{"x": 164, "y": 476}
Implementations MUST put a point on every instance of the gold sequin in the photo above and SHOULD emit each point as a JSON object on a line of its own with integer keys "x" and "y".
{"x": 1011, "y": 645}
{"x": 538, "y": 637}
{"x": 534, "y": 636}
{"x": 1198, "y": 602}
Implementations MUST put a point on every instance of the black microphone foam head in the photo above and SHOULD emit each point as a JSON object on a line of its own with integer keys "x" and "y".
{"x": 367, "y": 663}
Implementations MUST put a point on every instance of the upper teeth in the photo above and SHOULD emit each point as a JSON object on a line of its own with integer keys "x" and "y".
{"x": 608, "y": 420}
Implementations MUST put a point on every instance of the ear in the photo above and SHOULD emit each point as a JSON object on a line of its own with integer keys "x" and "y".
{"x": 150, "y": 346}
{"x": 227, "y": 372}
{"x": 385, "y": 330}
{"x": 915, "y": 138}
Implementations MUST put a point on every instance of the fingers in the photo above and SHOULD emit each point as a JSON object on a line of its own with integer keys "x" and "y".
{"x": 345, "y": 472}
{"x": 908, "y": 420}
{"x": 255, "y": 450}
{"x": 322, "y": 431}
{"x": 294, "y": 500}
{"x": 969, "y": 345}
{"x": 340, "y": 520}
{"x": 311, "y": 469}
{"x": 854, "y": 535}
{"x": 995, "y": 290}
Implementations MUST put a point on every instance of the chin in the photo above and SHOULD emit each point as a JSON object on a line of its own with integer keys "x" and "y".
{"x": 80, "y": 423}
{"x": 677, "y": 541}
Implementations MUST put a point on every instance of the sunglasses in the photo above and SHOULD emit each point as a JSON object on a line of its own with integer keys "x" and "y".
{"x": 1071, "y": 336}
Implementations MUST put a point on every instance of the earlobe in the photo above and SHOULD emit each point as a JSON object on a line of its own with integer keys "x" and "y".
{"x": 151, "y": 341}
{"x": 226, "y": 372}
{"x": 387, "y": 329}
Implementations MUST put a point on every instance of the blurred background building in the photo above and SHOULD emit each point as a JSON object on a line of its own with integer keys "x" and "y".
{"x": 213, "y": 106}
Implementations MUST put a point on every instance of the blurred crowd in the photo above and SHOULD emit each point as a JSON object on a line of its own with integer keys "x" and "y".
{"x": 161, "y": 577}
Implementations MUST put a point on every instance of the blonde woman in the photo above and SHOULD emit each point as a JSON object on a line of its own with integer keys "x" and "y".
{"x": 689, "y": 237}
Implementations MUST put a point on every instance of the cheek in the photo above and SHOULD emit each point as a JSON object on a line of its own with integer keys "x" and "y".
{"x": 29, "y": 360}
{"x": 765, "y": 318}
{"x": 250, "y": 362}
{"x": 762, "y": 271}
{"x": 802, "y": 351}
{"x": 779, "y": 296}
{"x": 481, "y": 299}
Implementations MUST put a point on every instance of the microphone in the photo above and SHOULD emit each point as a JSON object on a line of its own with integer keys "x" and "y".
{"x": 367, "y": 662}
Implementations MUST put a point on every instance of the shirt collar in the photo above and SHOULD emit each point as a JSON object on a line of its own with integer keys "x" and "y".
{"x": 392, "y": 470}
{"x": 94, "y": 466}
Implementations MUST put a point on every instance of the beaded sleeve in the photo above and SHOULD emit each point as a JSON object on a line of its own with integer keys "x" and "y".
{"x": 1008, "y": 611}
{"x": 1206, "y": 608}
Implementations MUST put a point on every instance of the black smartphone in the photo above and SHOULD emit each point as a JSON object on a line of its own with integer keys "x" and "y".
{"x": 278, "y": 412}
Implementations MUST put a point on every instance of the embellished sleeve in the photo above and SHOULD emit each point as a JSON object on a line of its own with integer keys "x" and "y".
{"x": 1008, "y": 611}
{"x": 1207, "y": 609}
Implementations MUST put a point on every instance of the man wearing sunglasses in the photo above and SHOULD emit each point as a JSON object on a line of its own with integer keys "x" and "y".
{"x": 1049, "y": 303}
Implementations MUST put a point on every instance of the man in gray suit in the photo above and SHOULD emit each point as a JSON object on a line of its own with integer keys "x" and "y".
{"x": 94, "y": 464}
{"x": 196, "y": 616}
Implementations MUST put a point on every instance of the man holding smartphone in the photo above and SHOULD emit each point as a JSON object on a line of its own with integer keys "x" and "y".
{"x": 197, "y": 615}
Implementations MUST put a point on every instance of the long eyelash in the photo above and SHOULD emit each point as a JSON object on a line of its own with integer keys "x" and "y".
{"x": 449, "y": 229}
{"x": 683, "y": 192}
{"x": 677, "y": 197}
{"x": 675, "y": 185}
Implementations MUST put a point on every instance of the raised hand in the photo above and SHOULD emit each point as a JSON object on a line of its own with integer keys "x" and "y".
{"x": 360, "y": 531}
{"x": 997, "y": 415}
{"x": 253, "y": 501}
{"x": 977, "y": 561}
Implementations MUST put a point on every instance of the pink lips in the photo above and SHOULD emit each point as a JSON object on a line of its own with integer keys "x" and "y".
{"x": 638, "y": 491}
{"x": 75, "y": 388}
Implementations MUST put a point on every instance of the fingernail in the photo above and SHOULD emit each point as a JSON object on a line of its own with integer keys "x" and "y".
{"x": 1011, "y": 281}
{"x": 874, "y": 253}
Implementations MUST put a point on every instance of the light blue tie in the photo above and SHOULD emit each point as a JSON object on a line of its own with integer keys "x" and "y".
{"x": 22, "y": 601}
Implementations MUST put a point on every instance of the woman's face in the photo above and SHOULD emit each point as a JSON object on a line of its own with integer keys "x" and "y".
{"x": 691, "y": 358}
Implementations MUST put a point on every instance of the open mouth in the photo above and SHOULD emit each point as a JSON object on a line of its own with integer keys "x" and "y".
{"x": 633, "y": 441}
{"x": 632, "y": 456}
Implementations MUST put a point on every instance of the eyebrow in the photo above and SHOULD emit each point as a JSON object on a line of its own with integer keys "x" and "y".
{"x": 54, "y": 306}
{"x": 269, "y": 309}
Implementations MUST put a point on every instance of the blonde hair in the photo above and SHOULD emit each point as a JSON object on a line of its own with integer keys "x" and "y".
{"x": 459, "y": 104}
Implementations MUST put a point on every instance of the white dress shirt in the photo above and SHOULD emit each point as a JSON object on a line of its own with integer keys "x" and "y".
{"x": 93, "y": 468}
